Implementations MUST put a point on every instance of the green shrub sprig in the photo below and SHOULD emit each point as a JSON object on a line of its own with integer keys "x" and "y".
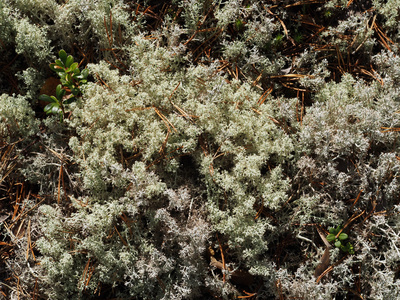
{"x": 71, "y": 79}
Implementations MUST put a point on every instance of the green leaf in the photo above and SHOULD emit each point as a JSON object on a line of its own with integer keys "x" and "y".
{"x": 343, "y": 236}
{"x": 60, "y": 92}
{"x": 338, "y": 244}
{"x": 60, "y": 64}
{"x": 45, "y": 98}
{"x": 332, "y": 230}
{"x": 85, "y": 73}
{"x": 82, "y": 77}
{"x": 330, "y": 237}
{"x": 55, "y": 68}
{"x": 58, "y": 70}
{"x": 48, "y": 107}
{"x": 63, "y": 55}
{"x": 52, "y": 108}
{"x": 69, "y": 61}
{"x": 56, "y": 109}
{"x": 72, "y": 67}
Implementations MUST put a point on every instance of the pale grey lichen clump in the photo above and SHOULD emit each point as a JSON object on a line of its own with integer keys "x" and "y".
{"x": 17, "y": 118}
{"x": 170, "y": 158}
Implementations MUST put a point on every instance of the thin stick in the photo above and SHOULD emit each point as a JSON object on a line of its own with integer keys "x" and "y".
{"x": 223, "y": 259}
{"x": 59, "y": 185}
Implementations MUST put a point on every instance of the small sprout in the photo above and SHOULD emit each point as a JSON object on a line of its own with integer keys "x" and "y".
{"x": 339, "y": 239}
{"x": 278, "y": 39}
{"x": 328, "y": 14}
{"x": 298, "y": 37}
{"x": 239, "y": 25}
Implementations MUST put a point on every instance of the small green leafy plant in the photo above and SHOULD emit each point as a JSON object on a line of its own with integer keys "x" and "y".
{"x": 278, "y": 40}
{"x": 71, "y": 79}
{"x": 298, "y": 37}
{"x": 239, "y": 24}
{"x": 338, "y": 237}
{"x": 328, "y": 14}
